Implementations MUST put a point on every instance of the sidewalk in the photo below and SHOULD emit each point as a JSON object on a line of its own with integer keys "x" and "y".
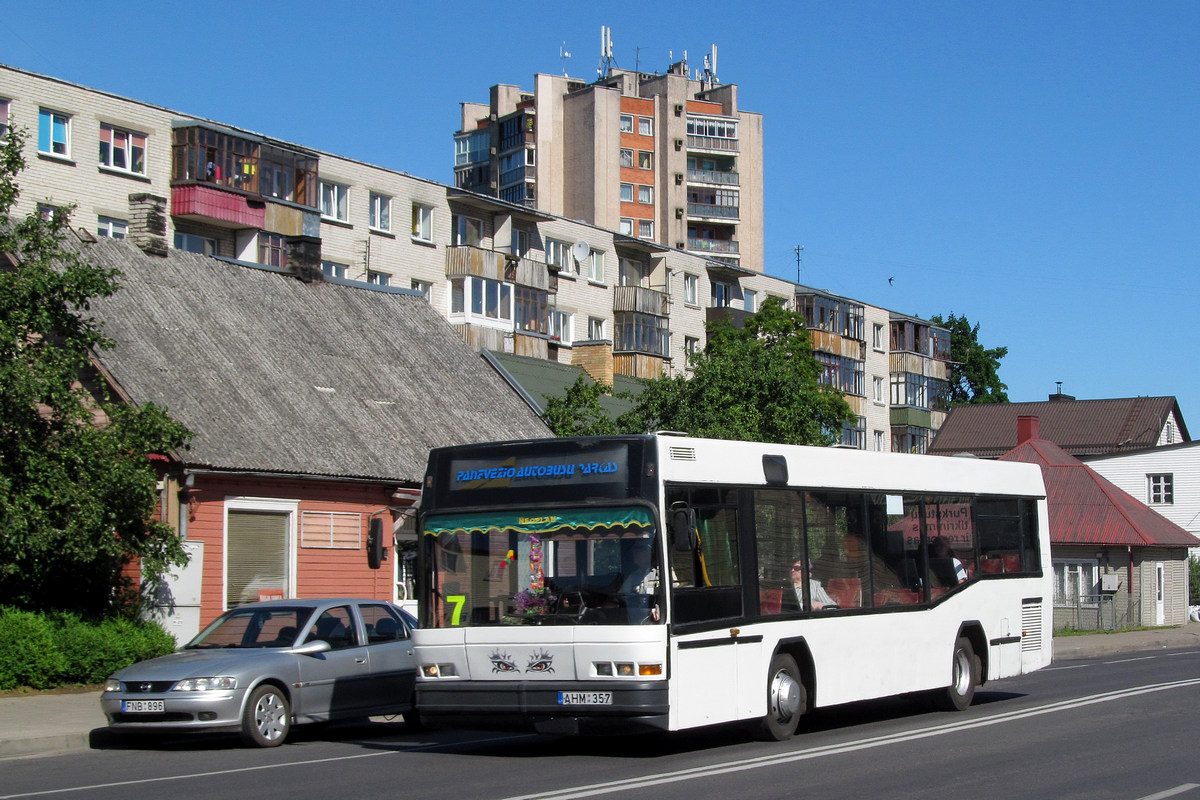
{"x": 45, "y": 724}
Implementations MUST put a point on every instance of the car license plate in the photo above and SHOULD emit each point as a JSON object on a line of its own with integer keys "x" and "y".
{"x": 585, "y": 698}
{"x": 142, "y": 706}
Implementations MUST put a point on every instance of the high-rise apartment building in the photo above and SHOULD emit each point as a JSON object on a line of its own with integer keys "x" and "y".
{"x": 669, "y": 158}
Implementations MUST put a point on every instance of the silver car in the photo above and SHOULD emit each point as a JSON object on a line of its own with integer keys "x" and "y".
{"x": 260, "y": 668}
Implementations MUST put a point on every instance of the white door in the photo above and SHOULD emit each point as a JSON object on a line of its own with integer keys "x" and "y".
{"x": 1160, "y": 616}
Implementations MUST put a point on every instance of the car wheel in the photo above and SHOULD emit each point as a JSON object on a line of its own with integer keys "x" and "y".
{"x": 267, "y": 718}
{"x": 964, "y": 676}
{"x": 787, "y": 700}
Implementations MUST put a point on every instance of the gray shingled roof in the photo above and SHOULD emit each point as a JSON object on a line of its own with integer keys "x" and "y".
{"x": 1080, "y": 427}
{"x": 273, "y": 374}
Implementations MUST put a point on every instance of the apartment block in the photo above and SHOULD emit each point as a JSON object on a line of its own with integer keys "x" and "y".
{"x": 668, "y": 158}
{"x": 510, "y": 275}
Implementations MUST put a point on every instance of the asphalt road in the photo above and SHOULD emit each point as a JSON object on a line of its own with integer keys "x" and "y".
{"x": 1114, "y": 727}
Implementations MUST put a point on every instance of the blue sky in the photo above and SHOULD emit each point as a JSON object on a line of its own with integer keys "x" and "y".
{"x": 1034, "y": 166}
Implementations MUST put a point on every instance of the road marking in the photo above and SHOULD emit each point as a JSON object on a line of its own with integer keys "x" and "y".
{"x": 1127, "y": 660}
{"x": 648, "y": 781}
{"x": 421, "y": 748}
{"x": 1056, "y": 669}
{"x": 1180, "y": 789}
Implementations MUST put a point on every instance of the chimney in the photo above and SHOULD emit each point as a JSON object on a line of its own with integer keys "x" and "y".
{"x": 1027, "y": 428}
{"x": 304, "y": 257}
{"x": 148, "y": 223}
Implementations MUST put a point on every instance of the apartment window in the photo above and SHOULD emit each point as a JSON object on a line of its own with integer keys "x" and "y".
{"x": 639, "y": 333}
{"x": 878, "y": 337}
{"x": 750, "y": 300}
{"x": 722, "y": 294}
{"x": 424, "y": 287}
{"x": 381, "y": 212}
{"x": 646, "y": 195}
{"x": 422, "y": 222}
{"x": 627, "y": 123}
{"x": 332, "y": 269}
{"x": 335, "y": 201}
{"x": 532, "y": 309}
{"x": 878, "y": 441}
{"x": 122, "y": 150}
{"x": 691, "y": 289}
{"x": 646, "y": 126}
{"x": 558, "y": 254}
{"x": 378, "y": 278}
{"x": 560, "y": 325}
{"x": 520, "y": 242}
{"x": 626, "y": 157}
{"x": 3, "y": 116}
{"x": 854, "y": 434}
{"x": 596, "y": 266}
{"x": 646, "y": 229}
{"x": 192, "y": 243}
{"x": 481, "y": 299}
{"x": 629, "y": 272}
{"x": 626, "y": 192}
{"x": 112, "y": 228}
{"x": 691, "y": 345}
{"x": 595, "y": 328}
{"x": 336, "y": 530}
{"x": 625, "y": 226}
{"x": 1161, "y": 489}
{"x": 645, "y": 159}
{"x": 271, "y": 250}
{"x": 467, "y": 231}
{"x": 54, "y": 133}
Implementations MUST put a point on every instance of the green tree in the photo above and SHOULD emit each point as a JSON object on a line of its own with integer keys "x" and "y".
{"x": 760, "y": 382}
{"x": 77, "y": 496}
{"x": 974, "y": 369}
{"x": 579, "y": 412}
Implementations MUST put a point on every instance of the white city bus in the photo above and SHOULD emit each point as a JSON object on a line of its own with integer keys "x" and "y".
{"x": 617, "y": 584}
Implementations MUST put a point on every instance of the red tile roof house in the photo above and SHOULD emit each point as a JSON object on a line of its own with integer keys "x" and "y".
{"x": 313, "y": 403}
{"x": 1117, "y": 563}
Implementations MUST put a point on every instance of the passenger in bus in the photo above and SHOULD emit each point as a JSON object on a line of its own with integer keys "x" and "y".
{"x": 820, "y": 598}
{"x": 944, "y": 565}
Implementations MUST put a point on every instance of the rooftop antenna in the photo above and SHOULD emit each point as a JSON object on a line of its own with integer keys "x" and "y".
{"x": 606, "y": 50}
{"x": 710, "y": 67}
{"x": 799, "y": 257}
{"x": 564, "y": 54}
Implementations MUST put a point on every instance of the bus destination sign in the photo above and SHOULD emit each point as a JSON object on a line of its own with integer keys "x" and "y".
{"x": 607, "y": 465}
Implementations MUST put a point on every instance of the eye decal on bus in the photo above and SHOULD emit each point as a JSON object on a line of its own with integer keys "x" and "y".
{"x": 540, "y": 662}
{"x": 503, "y": 662}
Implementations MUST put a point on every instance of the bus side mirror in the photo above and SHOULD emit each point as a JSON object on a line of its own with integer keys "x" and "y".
{"x": 375, "y": 553}
{"x": 683, "y": 527}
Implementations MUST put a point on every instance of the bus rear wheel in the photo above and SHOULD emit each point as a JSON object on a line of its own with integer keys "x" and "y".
{"x": 964, "y": 678}
{"x": 787, "y": 699}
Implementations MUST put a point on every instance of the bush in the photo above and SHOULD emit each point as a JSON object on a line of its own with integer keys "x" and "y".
{"x": 43, "y": 651}
{"x": 29, "y": 655}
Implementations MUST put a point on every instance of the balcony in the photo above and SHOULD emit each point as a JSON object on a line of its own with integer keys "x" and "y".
{"x": 715, "y": 176}
{"x": 718, "y": 143}
{"x": 724, "y": 246}
{"x": 713, "y": 211}
{"x": 641, "y": 300}
{"x": 469, "y": 260}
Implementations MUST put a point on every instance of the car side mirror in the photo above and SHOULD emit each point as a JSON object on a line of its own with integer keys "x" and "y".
{"x": 682, "y": 524}
{"x": 312, "y": 648}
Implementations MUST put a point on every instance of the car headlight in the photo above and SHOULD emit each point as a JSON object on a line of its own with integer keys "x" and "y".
{"x": 112, "y": 685}
{"x": 205, "y": 684}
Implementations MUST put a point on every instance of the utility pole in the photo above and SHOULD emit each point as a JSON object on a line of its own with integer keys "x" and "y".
{"x": 799, "y": 256}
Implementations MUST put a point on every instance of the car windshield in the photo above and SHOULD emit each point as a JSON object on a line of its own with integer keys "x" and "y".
{"x": 589, "y": 565}
{"x": 253, "y": 627}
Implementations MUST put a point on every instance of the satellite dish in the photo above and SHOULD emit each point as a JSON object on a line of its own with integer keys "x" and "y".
{"x": 580, "y": 251}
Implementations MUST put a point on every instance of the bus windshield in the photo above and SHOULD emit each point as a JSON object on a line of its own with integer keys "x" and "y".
{"x": 566, "y": 566}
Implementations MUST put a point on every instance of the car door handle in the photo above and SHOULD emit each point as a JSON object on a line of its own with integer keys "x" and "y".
{"x": 360, "y": 661}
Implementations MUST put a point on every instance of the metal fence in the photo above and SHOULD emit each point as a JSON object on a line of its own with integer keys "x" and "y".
{"x": 1097, "y": 612}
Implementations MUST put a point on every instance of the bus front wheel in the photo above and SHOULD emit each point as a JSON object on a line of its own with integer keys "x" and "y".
{"x": 964, "y": 677}
{"x": 787, "y": 699}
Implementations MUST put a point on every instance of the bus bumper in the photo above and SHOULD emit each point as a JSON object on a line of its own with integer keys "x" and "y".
{"x": 537, "y": 706}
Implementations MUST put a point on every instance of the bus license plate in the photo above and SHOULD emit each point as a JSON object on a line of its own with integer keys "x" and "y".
{"x": 585, "y": 698}
{"x": 142, "y": 706}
